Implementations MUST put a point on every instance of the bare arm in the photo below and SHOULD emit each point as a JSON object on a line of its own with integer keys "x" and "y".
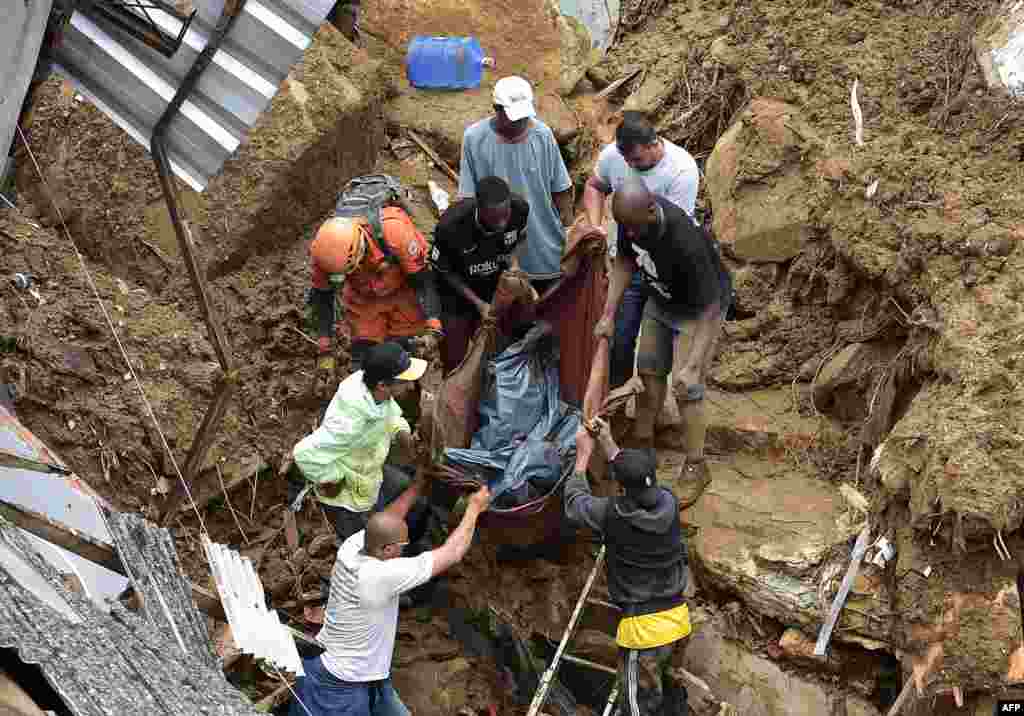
{"x": 563, "y": 201}
{"x": 455, "y": 547}
{"x": 594, "y": 194}
{"x": 404, "y": 502}
{"x": 403, "y": 449}
{"x": 456, "y": 282}
{"x": 622, "y": 272}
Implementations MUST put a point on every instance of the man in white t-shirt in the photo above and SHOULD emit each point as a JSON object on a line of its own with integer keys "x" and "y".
{"x": 668, "y": 171}
{"x": 352, "y": 676}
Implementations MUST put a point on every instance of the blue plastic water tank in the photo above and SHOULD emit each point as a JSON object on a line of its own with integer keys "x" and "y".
{"x": 444, "y": 62}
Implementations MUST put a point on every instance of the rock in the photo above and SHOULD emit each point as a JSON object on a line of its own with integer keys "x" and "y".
{"x": 758, "y": 182}
{"x": 757, "y": 686}
{"x": 577, "y": 53}
{"x": 846, "y": 386}
{"x": 779, "y": 538}
{"x": 756, "y": 421}
{"x": 755, "y": 286}
{"x": 996, "y": 45}
{"x": 724, "y": 53}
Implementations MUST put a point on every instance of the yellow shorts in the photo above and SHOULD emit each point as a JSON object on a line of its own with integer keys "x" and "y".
{"x": 648, "y": 631}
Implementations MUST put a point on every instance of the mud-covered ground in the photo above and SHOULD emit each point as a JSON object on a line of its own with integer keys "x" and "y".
{"x": 896, "y": 273}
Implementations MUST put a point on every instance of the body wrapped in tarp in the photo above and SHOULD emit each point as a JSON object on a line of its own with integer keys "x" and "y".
{"x": 524, "y": 510}
{"x": 527, "y": 434}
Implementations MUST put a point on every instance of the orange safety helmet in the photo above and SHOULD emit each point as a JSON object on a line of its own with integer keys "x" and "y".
{"x": 339, "y": 246}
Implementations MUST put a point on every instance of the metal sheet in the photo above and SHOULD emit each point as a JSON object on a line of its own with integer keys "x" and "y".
{"x": 132, "y": 84}
{"x": 21, "y": 35}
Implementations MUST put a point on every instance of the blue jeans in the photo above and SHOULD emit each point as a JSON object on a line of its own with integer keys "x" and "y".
{"x": 325, "y": 695}
{"x": 627, "y": 326}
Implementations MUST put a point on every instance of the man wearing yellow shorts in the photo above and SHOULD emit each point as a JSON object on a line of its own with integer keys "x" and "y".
{"x": 646, "y": 564}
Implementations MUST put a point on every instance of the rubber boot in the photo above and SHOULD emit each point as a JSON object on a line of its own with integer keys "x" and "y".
{"x": 648, "y": 405}
{"x": 694, "y": 475}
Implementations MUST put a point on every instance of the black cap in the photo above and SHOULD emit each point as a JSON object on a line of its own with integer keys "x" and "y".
{"x": 389, "y": 361}
{"x": 635, "y": 469}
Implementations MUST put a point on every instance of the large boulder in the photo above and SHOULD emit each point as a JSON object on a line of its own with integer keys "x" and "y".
{"x": 758, "y": 179}
{"x": 757, "y": 686}
{"x": 778, "y": 537}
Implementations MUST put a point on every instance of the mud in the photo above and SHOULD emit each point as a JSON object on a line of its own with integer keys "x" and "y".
{"x": 885, "y": 326}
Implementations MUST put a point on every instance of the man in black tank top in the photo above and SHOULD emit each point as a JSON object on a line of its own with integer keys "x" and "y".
{"x": 646, "y": 563}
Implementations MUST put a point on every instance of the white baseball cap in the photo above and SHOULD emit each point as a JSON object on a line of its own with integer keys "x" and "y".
{"x": 515, "y": 96}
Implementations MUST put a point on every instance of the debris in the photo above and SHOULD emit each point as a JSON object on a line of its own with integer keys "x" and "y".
{"x": 871, "y": 189}
{"x": 859, "y": 547}
{"x": 439, "y": 196}
{"x": 227, "y": 499}
{"x": 858, "y": 117}
{"x": 854, "y": 498}
{"x": 607, "y": 91}
{"x": 885, "y": 552}
{"x": 434, "y": 157}
{"x": 927, "y": 572}
{"x": 905, "y": 694}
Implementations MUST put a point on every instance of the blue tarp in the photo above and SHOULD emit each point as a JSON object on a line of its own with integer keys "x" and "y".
{"x": 527, "y": 435}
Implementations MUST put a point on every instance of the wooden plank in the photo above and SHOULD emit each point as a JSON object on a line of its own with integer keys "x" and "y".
{"x": 434, "y": 157}
{"x": 201, "y": 443}
{"x": 63, "y": 536}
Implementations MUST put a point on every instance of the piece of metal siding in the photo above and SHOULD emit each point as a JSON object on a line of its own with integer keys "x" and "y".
{"x": 132, "y": 83}
{"x": 110, "y": 665}
{"x": 21, "y": 35}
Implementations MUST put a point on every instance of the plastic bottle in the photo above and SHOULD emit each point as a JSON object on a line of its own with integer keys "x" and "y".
{"x": 445, "y": 62}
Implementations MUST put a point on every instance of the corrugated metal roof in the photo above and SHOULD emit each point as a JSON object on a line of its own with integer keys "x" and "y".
{"x": 121, "y": 663}
{"x": 133, "y": 83}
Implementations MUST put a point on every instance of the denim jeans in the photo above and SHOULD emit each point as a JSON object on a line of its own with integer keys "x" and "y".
{"x": 322, "y": 694}
{"x": 627, "y": 326}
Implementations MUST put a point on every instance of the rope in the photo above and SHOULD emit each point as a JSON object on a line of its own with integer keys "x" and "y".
{"x": 285, "y": 681}
{"x": 113, "y": 330}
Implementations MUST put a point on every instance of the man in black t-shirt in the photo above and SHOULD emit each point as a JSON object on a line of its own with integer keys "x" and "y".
{"x": 688, "y": 296}
{"x": 474, "y": 242}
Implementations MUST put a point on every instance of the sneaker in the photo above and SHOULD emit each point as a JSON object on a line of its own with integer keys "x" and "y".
{"x": 694, "y": 477}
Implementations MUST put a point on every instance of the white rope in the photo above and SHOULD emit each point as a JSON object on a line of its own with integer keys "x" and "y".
{"x": 113, "y": 330}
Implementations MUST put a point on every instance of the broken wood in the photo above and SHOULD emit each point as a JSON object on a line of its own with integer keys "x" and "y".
{"x": 204, "y": 500}
{"x": 58, "y": 534}
{"x": 274, "y": 699}
{"x": 434, "y": 157}
{"x": 901, "y": 700}
{"x": 617, "y": 84}
{"x": 201, "y": 444}
{"x": 856, "y": 557}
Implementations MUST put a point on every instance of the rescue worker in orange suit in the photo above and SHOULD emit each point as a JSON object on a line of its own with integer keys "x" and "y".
{"x": 388, "y": 292}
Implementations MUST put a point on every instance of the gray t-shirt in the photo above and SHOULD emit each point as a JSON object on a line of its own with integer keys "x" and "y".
{"x": 676, "y": 177}
{"x": 534, "y": 169}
